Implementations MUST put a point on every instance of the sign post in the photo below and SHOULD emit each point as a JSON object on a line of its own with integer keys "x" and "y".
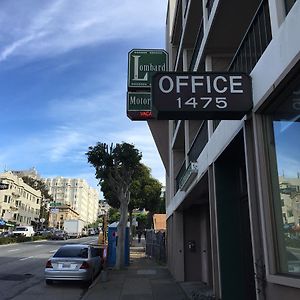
{"x": 202, "y": 96}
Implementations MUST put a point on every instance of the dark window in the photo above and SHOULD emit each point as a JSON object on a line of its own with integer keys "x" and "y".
{"x": 289, "y": 4}
{"x": 72, "y": 252}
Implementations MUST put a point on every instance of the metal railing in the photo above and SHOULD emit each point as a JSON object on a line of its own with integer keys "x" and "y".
{"x": 156, "y": 245}
{"x": 255, "y": 41}
{"x": 180, "y": 175}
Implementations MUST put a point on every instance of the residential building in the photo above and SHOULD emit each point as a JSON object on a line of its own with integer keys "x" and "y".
{"x": 77, "y": 194}
{"x": 58, "y": 215}
{"x": 19, "y": 204}
{"x": 103, "y": 208}
{"x": 230, "y": 210}
{"x": 28, "y": 173}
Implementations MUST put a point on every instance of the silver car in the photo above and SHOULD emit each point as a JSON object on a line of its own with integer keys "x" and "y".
{"x": 74, "y": 262}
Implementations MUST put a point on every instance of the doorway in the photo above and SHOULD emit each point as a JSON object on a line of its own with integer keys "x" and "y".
{"x": 235, "y": 246}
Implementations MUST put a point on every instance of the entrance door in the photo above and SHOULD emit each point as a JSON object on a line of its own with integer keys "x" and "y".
{"x": 235, "y": 247}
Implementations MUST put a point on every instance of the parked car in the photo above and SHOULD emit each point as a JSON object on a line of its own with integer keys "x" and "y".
{"x": 6, "y": 234}
{"x": 91, "y": 231}
{"x": 59, "y": 235}
{"x": 23, "y": 230}
{"x": 43, "y": 232}
{"x": 84, "y": 232}
{"x": 74, "y": 262}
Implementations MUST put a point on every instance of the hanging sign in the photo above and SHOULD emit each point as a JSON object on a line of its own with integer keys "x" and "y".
{"x": 203, "y": 96}
{"x": 142, "y": 64}
{"x": 3, "y": 186}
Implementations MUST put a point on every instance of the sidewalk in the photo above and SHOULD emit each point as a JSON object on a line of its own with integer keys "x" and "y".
{"x": 144, "y": 279}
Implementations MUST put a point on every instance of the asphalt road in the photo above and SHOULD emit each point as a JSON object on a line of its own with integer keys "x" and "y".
{"x": 22, "y": 272}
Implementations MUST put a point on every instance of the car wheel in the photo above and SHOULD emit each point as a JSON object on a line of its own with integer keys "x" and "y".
{"x": 49, "y": 281}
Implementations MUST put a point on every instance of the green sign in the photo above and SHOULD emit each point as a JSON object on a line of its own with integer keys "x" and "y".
{"x": 142, "y": 64}
{"x": 55, "y": 204}
{"x": 138, "y": 101}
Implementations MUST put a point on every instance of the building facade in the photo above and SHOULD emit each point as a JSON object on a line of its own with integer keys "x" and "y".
{"x": 19, "y": 204}
{"x": 77, "y": 194}
{"x": 57, "y": 216}
{"x": 233, "y": 188}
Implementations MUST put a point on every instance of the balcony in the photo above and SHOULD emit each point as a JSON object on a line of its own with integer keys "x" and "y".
{"x": 255, "y": 41}
{"x": 227, "y": 26}
{"x": 289, "y": 4}
{"x": 197, "y": 46}
{"x": 188, "y": 176}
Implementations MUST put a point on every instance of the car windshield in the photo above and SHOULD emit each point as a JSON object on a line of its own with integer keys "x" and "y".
{"x": 21, "y": 229}
{"x": 72, "y": 252}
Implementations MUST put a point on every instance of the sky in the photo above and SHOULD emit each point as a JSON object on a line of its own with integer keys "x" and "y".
{"x": 63, "y": 81}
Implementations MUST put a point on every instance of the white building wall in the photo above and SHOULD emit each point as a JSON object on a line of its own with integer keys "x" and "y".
{"x": 76, "y": 193}
{"x": 20, "y": 203}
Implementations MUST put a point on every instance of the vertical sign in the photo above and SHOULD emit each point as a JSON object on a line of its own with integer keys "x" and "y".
{"x": 142, "y": 65}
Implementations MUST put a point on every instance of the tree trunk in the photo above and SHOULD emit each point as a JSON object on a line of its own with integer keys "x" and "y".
{"x": 130, "y": 226}
{"x": 121, "y": 229}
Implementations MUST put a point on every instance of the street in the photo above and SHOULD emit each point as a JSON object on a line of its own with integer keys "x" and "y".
{"x": 22, "y": 271}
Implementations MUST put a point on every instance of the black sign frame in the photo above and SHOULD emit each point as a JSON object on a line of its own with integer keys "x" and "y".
{"x": 201, "y": 96}
{"x": 4, "y": 186}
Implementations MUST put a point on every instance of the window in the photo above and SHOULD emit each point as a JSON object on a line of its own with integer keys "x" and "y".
{"x": 289, "y": 4}
{"x": 72, "y": 251}
{"x": 283, "y": 128}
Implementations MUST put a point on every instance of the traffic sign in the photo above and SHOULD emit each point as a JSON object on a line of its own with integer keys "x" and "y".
{"x": 142, "y": 64}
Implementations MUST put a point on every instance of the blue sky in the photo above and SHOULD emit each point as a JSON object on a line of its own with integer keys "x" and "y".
{"x": 63, "y": 81}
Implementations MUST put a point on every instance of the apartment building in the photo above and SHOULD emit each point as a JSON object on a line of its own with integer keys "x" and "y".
{"x": 232, "y": 194}
{"x": 59, "y": 214}
{"x": 19, "y": 204}
{"x": 77, "y": 194}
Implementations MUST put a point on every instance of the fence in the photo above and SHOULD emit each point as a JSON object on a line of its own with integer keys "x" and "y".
{"x": 156, "y": 245}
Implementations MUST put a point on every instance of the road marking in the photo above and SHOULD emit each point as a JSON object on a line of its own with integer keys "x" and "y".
{"x": 26, "y": 258}
{"x": 52, "y": 251}
{"x": 39, "y": 245}
{"x": 12, "y": 250}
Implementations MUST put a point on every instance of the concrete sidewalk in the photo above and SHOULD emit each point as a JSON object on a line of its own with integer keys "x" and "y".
{"x": 144, "y": 279}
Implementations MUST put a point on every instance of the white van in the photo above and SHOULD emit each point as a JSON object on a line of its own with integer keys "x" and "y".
{"x": 24, "y": 230}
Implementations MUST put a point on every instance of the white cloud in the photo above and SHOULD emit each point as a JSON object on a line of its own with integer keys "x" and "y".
{"x": 65, "y": 25}
{"x": 33, "y": 29}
